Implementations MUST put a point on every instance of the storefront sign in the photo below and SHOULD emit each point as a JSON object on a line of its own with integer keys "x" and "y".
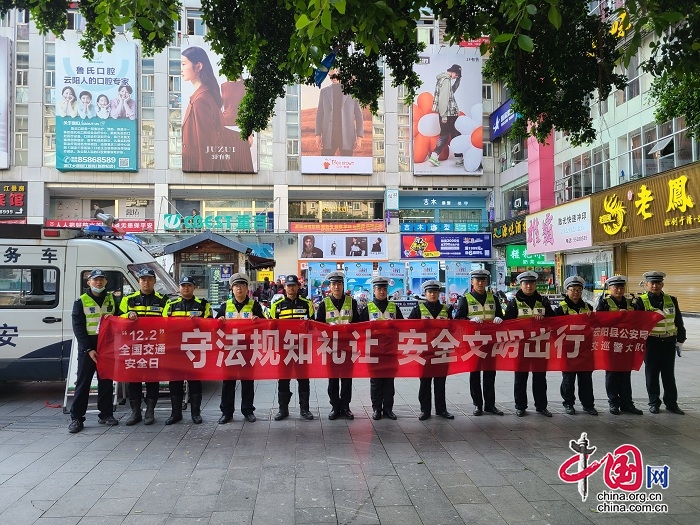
{"x": 391, "y": 199}
{"x": 13, "y": 200}
{"x": 517, "y": 255}
{"x": 511, "y": 231}
{"x": 440, "y": 227}
{"x": 443, "y": 246}
{"x": 128, "y": 226}
{"x": 329, "y": 227}
{"x": 562, "y": 228}
{"x": 342, "y": 247}
{"x": 502, "y": 120}
{"x": 175, "y": 221}
{"x": 651, "y": 206}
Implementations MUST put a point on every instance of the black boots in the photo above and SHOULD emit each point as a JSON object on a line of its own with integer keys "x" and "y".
{"x": 149, "y": 417}
{"x": 176, "y": 410}
{"x": 304, "y": 411}
{"x": 195, "y": 408}
{"x": 135, "y": 416}
{"x": 284, "y": 398}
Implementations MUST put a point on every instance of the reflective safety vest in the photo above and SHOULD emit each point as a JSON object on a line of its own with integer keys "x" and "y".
{"x": 284, "y": 309}
{"x": 94, "y": 313}
{"x": 524, "y": 311}
{"x": 375, "y": 314}
{"x": 425, "y": 313}
{"x": 487, "y": 311}
{"x": 134, "y": 303}
{"x": 177, "y": 308}
{"x": 613, "y": 305}
{"x": 666, "y": 326}
{"x": 570, "y": 311}
{"x": 342, "y": 316}
{"x": 245, "y": 313}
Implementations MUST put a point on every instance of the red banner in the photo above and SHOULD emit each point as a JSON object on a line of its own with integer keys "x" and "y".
{"x": 340, "y": 227}
{"x": 162, "y": 349}
{"x": 128, "y": 225}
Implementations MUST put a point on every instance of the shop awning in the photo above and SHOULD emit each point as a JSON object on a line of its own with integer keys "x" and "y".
{"x": 207, "y": 235}
{"x": 258, "y": 263}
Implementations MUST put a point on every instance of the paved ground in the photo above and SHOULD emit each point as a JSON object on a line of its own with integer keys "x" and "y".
{"x": 488, "y": 469}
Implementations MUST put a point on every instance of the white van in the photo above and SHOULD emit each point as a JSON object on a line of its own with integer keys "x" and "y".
{"x": 42, "y": 272}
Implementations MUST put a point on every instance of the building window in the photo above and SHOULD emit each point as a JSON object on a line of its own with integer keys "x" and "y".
{"x": 487, "y": 148}
{"x": 148, "y": 82}
{"x": 486, "y": 91}
{"x": 75, "y": 20}
{"x": 22, "y": 25}
{"x": 405, "y": 131}
{"x": 195, "y": 24}
{"x": 21, "y": 134}
{"x": 174, "y": 112}
{"x": 292, "y": 127}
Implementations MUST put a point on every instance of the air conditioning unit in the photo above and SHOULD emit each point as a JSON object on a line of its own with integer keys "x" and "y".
{"x": 515, "y": 149}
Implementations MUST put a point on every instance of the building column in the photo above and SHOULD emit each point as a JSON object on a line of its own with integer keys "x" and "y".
{"x": 161, "y": 204}
{"x": 37, "y": 202}
{"x": 281, "y": 207}
{"x": 540, "y": 167}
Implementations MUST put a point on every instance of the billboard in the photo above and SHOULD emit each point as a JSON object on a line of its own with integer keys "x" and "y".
{"x": 13, "y": 200}
{"x": 457, "y": 279}
{"x": 419, "y": 271}
{"x": 395, "y": 271}
{"x": 343, "y": 246}
{"x": 447, "y": 246}
{"x": 448, "y": 114}
{"x": 336, "y": 133}
{"x": 561, "y": 228}
{"x": 211, "y": 139}
{"x": 96, "y": 109}
{"x": 5, "y": 50}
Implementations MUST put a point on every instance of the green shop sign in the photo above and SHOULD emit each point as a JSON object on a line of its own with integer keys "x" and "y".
{"x": 516, "y": 255}
{"x": 175, "y": 221}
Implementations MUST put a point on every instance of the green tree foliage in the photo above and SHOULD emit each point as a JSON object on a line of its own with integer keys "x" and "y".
{"x": 551, "y": 53}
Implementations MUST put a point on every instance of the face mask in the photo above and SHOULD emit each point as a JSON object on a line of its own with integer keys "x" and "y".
{"x": 97, "y": 290}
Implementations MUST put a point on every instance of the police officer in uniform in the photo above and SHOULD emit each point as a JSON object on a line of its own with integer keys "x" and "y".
{"x": 573, "y": 305}
{"x": 144, "y": 303}
{"x": 480, "y": 305}
{"x": 528, "y": 303}
{"x": 187, "y": 305}
{"x": 88, "y": 310}
{"x": 292, "y": 306}
{"x": 432, "y": 308}
{"x": 338, "y": 308}
{"x": 239, "y": 308}
{"x": 381, "y": 390}
{"x": 618, "y": 385}
{"x": 665, "y": 339}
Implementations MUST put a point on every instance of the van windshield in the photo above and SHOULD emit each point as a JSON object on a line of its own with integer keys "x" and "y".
{"x": 164, "y": 283}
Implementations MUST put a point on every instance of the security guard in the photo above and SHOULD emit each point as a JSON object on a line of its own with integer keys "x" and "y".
{"x": 381, "y": 390}
{"x": 618, "y": 385}
{"x": 187, "y": 305}
{"x": 432, "y": 308}
{"x": 88, "y": 310}
{"x": 573, "y": 305}
{"x": 480, "y": 305}
{"x": 292, "y": 306}
{"x": 239, "y": 308}
{"x": 665, "y": 339}
{"x": 528, "y": 303}
{"x": 338, "y": 308}
{"x": 144, "y": 303}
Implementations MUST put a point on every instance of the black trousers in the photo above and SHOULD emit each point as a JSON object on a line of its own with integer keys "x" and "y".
{"x": 86, "y": 370}
{"x": 177, "y": 388}
{"x": 340, "y": 392}
{"x": 585, "y": 388}
{"x": 660, "y": 359}
{"x": 135, "y": 391}
{"x": 618, "y": 386}
{"x": 284, "y": 393}
{"x": 381, "y": 391}
{"x": 539, "y": 390}
{"x": 424, "y": 395}
{"x": 488, "y": 400}
{"x": 228, "y": 397}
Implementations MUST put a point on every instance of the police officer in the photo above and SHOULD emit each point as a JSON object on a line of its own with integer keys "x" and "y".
{"x": 572, "y": 305}
{"x": 239, "y": 308}
{"x": 618, "y": 385}
{"x": 381, "y": 390}
{"x": 338, "y": 308}
{"x": 187, "y": 305}
{"x": 480, "y": 305}
{"x": 88, "y": 310}
{"x": 292, "y": 306}
{"x": 665, "y": 339}
{"x": 528, "y": 303}
{"x": 432, "y": 308}
{"x": 144, "y": 303}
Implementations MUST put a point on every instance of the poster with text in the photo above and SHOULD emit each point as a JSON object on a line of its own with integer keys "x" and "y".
{"x": 211, "y": 139}
{"x": 420, "y": 271}
{"x": 358, "y": 277}
{"x": 448, "y": 114}
{"x": 316, "y": 273}
{"x": 343, "y": 246}
{"x": 96, "y": 109}
{"x": 395, "y": 271}
{"x": 446, "y": 246}
{"x": 457, "y": 280}
{"x": 336, "y": 132}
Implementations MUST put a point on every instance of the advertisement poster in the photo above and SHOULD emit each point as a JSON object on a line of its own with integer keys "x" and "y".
{"x": 419, "y": 272}
{"x": 211, "y": 139}
{"x": 447, "y": 246}
{"x": 358, "y": 277}
{"x": 395, "y": 271}
{"x": 448, "y": 114}
{"x": 336, "y": 133}
{"x": 457, "y": 280}
{"x": 4, "y": 103}
{"x": 561, "y": 228}
{"x": 316, "y": 279}
{"x": 96, "y": 109}
{"x": 343, "y": 246}
{"x": 13, "y": 200}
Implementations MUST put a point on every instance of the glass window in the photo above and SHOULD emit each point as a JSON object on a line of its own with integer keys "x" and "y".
{"x": 30, "y": 287}
{"x": 195, "y": 24}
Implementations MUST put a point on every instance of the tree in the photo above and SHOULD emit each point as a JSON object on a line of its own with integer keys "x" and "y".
{"x": 553, "y": 54}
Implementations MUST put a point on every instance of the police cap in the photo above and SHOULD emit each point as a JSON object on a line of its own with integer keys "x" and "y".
{"x": 617, "y": 280}
{"x": 381, "y": 282}
{"x": 654, "y": 277}
{"x": 431, "y": 286}
{"x": 186, "y": 279}
{"x": 96, "y": 273}
{"x": 239, "y": 278}
{"x": 528, "y": 277}
{"x": 480, "y": 274}
{"x": 574, "y": 280}
{"x": 291, "y": 280}
{"x": 336, "y": 277}
{"x": 146, "y": 272}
